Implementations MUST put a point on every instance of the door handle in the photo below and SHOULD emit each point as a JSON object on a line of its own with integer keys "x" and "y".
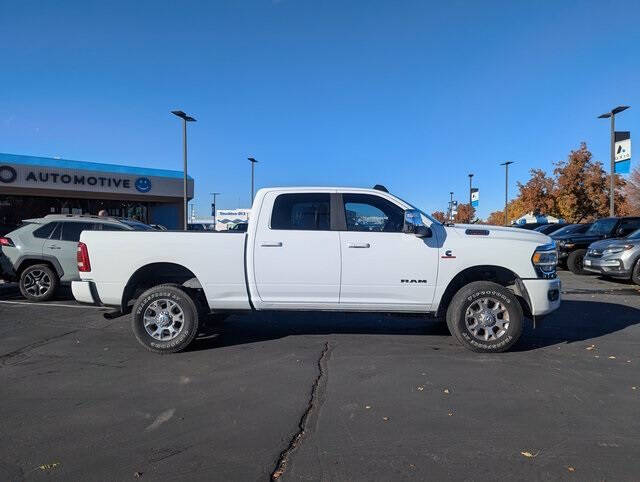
{"x": 271, "y": 245}
{"x": 358, "y": 245}
{"x": 54, "y": 247}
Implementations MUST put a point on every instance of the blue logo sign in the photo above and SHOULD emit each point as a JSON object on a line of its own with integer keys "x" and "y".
{"x": 143, "y": 184}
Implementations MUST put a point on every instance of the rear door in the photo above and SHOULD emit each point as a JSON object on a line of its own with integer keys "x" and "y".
{"x": 296, "y": 254}
{"x": 63, "y": 245}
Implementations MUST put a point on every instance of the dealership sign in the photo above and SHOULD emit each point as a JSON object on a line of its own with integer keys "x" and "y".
{"x": 622, "y": 151}
{"x": 37, "y": 177}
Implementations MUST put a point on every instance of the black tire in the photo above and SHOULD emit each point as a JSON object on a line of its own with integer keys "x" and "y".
{"x": 164, "y": 341}
{"x": 39, "y": 282}
{"x": 575, "y": 260}
{"x": 635, "y": 274}
{"x": 492, "y": 337}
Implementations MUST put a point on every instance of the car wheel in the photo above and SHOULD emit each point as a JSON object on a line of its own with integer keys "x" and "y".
{"x": 165, "y": 319}
{"x": 39, "y": 283}
{"x": 485, "y": 317}
{"x": 635, "y": 274}
{"x": 575, "y": 260}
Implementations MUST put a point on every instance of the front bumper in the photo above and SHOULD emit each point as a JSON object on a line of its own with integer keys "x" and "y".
{"x": 615, "y": 267}
{"x": 85, "y": 292}
{"x": 544, "y": 295}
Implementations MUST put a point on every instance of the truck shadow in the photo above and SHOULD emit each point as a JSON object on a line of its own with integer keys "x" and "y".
{"x": 575, "y": 321}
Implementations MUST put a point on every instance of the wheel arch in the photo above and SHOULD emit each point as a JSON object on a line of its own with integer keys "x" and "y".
{"x": 154, "y": 274}
{"x": 498, "y": 274}
{"x": 24, "y": 262}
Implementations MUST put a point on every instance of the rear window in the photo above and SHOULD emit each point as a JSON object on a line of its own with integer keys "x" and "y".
{"x": 45, "y": 230}
{"x": 304, "y": 211}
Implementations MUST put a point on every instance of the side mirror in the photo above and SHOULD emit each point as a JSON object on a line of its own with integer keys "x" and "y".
{"x": 621, "y": 232}
{"x": 413, "y": 224}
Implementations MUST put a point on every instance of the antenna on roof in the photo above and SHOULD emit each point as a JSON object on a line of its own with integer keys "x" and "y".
{"x": 380, "y": 187}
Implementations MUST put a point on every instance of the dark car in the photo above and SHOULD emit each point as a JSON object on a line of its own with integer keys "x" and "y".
{"x": 573, "y": 247}
{"x": 549, "y": 228}
{"x": 570, "y": 229}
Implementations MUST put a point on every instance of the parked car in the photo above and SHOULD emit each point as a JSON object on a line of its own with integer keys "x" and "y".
{"x": 573, "y": 247}
{"x": 41, "y": 254}
{"x": 549, "y": 228}
{"x": 239, "y": 227}
{"x": 570, "y": 229}
{"x": 325, "y": 249}
{"x": 617, "y": 258}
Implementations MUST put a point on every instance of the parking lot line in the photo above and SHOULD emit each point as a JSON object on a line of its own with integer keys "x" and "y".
{"x": 52, "y": 304}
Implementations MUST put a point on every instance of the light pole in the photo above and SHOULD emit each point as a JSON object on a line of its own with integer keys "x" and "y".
{"x": 506, "y": 190}
{"x": 470, "y": 208}
{"x": 451, "y": 206}
{"x": 253, "y": 163}
{"x": 185, "y": 118}
{"x": 612, "y": 115}
{"x": 213, "y": 208}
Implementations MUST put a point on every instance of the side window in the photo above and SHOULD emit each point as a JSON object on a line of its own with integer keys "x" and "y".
{"x": 365, "y": 212}
{"x": 309, "y": 211}
{"x": 45, "y": 231}
{"x": 629, "y": 225}
{"x": 71, "y": 230}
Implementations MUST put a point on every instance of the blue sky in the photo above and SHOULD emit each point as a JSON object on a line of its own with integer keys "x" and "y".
{"x": 410, "y": 94}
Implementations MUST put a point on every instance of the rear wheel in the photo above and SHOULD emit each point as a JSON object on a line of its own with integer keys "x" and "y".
{"x": 165, "y": 319}
{"x": 485, "y": 317}
{"x": 39, "y": 282}
{"x": 575, "y": 261}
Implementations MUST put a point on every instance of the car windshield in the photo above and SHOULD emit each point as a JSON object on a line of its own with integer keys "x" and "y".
{"x": 568, "y": 229}
{"x": 138, "y": 226}
{"x": 602, "y": 226}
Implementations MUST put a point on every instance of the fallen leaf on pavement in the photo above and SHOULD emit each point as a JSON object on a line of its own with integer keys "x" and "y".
{"x": 49, "y": 466}
{"x": 367, "y": 407}
{"x": 420, "y": 389}
{"x": 530, "y": 455}
{"x": 386, "y": 419}
{"x": 137, "y": 475}
{"x": 590, "y": 347}
{"x": 612, "y": 357}
{"x": 571, "y": 469}
{"x": 446, "y": 390}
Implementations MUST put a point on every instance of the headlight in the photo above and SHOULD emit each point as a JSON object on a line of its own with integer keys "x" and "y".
{"x": 617, "y": 249}
{"x": 545, "y": 260}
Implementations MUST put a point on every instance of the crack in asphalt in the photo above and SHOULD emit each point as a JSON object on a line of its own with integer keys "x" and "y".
{"x": 283, "y": 459}
{"x": 7, "y": 357}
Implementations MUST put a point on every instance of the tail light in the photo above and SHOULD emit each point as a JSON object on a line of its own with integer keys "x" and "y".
{"x": 84, "y": 265}
{"x": 6, "y": 242}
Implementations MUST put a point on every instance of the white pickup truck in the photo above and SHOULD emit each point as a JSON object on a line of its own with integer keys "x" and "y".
{"x": 328, "y": 249}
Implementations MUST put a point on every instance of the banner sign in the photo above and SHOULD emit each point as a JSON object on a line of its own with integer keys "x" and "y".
{"x": 622, "y": 150}
{"x": 475, "y": 197}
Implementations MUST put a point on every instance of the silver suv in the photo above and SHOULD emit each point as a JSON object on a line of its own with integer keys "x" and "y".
{"x": 42, "y": 253}
{"x": 616, "y": 258}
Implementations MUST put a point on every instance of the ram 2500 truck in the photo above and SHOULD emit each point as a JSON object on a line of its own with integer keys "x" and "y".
{"x": 328, "y": 249}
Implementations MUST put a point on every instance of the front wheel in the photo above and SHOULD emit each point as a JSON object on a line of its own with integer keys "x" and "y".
{"x": 575, "y": 261}
{"x": 165, "y": 319}
{"x": 485, "y": 317}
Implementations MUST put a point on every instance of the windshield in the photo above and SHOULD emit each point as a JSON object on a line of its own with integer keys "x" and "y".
{"x": 602, "y": 226}
{"x": 425, "y": 215}
{"x": 137, "y": 226}
{"x": 573, "y": 228}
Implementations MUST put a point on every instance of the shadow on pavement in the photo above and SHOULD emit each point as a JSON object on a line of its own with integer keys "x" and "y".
{"x": 575, "y": 321}
{"x": 11, "y": 292}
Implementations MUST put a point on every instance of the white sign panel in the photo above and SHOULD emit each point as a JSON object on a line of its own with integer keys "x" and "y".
{"x": 623, "y": 150}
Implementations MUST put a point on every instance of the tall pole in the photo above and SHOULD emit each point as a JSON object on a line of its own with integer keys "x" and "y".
{"x": 470, "y": 208}
{"x": 612, "y": 185}
{"x": 185, "y": 118}
{"x": 613, "y": 164}
{"x": 506, "y": 191}
{"x": 451, "y": 206}
{"x": 184, "y": 178}
{"x": 213, "y": 208}
{"x": 253, "y": 163}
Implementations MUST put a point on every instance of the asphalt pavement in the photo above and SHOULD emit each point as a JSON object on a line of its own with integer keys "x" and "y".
{"x": 317, "y": 396}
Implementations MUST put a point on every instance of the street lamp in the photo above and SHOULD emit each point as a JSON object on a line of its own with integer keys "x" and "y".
{"x": 470, "y": 208}
{"x": 253, "y": 163}
{"x": 213, "y": 208}
{"x": 185, "y": 118}
{"x": 612, "y": 115}
{"x": 450, "y": 206}
{"x": 506, "y": 190}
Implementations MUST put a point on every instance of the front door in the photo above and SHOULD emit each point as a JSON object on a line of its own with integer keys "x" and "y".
{"x": 382, "y": 267}
{"x": 296, "y": 255}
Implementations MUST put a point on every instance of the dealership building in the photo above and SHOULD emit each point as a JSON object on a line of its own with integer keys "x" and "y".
{"x": 36, "y": 186}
